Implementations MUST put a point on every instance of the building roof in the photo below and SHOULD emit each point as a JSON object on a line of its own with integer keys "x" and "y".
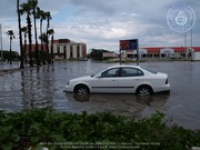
{"x": 176, "y": 49}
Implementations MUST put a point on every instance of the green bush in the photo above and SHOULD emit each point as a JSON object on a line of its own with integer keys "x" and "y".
{"x": 47, "y": 128}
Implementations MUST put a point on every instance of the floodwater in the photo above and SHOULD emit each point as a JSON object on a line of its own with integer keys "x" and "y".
{"x": 32, "y": 88}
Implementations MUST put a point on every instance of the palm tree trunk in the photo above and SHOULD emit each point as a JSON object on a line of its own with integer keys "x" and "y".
{"x": 41, "y": 46}
{"x": 29, "y": 38}
{"x": 20, "y": 38}
{"x": 47, "y": 48}
{"x": 25, "y": 45}
{"x": 52, "y": 38}
{"x": 47, "y": 44}
{"x": 10, "y": 50}
{"x": 36, "y": 41}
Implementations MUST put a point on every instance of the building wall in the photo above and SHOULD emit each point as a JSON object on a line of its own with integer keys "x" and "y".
{"x": 196, "y": 56}
{"x": 163, "y": 53}
{"x": 66, "y": 49}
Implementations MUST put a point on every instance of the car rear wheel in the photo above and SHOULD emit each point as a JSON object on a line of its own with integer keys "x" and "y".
{"x": 81, "y": 89}
{"x": 144, "y": 90}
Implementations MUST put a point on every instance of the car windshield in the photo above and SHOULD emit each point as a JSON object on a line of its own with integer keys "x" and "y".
{"x": 154, "y": 72}
{"x": 94, "y": 74}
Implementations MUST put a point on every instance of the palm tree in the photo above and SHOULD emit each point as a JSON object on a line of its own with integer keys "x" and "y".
{"x": 20, "y": 36}
{"x": 48, "y": 17}
{"x": 51, "y": 33}
{"x": 42, "y": 16}
{"x": 26, "y": 8}
{"x": 44, "y": 39}
{"x": 11, "y": 35}
{"x": 24, "y": 30}
{"x": 33, "y": 5}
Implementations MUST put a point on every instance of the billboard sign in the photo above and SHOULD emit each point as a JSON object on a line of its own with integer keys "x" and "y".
{"x": 129, "y": 44}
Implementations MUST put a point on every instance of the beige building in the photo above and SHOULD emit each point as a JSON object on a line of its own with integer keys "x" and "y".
{"x": 67, "y": 49}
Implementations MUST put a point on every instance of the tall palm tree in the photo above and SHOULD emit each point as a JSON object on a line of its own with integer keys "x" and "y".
{"x": 24, "y": 30}
{"x": 42, "y": 16}
{"x": 44, "y": 39}
{"x": 20, "y": 36}
{"x": 51, "y": 33}
{"x": 33, "y": 5}
{"x": 48, "y": 18}
{"x": 26, "y": 8}
{"x": 11, "y": 35}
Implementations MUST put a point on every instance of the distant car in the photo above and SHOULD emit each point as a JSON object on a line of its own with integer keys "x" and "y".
{"x": 121, "y": 79}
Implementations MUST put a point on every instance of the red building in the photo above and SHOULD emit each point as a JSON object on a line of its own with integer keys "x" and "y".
{"x": 62, "y": 49}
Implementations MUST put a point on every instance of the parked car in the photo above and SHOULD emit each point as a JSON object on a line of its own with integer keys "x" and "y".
{"x": 121, "y": 79}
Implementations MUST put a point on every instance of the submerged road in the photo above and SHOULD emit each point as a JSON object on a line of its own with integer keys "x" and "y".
{"x": 32, "y": 88}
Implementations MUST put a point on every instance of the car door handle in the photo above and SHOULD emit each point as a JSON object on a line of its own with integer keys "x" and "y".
{"x": 113, "y": 80}
{"x": 137, "y": 79}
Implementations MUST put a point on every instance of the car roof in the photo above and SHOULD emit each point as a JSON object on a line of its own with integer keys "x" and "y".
{"x": 116, "y": 66}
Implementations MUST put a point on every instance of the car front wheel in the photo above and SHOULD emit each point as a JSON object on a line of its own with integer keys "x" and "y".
{"x": 144, "y": 90}
{"x": 81, "y": 89}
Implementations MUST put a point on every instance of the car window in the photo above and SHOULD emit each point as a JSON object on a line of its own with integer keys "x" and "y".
{"x": 130, "y": 72}
{"x": 110, "y": 73}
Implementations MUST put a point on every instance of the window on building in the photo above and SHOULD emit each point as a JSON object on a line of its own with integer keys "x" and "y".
{"x": 130, "y": 55}
{"x": 156, "y": 55}
{"x": 58, "y": 49}
{"x": 135, "y": 56}
{"x": 182, "y": 54}
{"x": 144, "y": 55}
{"x": 78, "y": 51}
{"x": 71, "y": 51}
{"x": 162, "y": 55}
{"x": 65, "y": 52}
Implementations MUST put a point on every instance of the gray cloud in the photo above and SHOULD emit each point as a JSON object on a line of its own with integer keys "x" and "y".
{"x": 102, "y": 23}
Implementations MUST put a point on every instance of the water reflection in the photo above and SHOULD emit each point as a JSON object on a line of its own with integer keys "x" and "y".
{"x": 37, "y": 92}
{"x": 123, "y": 104}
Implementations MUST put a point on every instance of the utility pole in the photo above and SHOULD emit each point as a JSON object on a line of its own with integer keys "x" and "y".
{"x": 191, "y": 38}
{"x": 1, "y": 48}
{"x": 191, "y": 47}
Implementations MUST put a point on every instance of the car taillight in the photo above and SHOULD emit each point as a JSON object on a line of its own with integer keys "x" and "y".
{"x": 166, "y": 82}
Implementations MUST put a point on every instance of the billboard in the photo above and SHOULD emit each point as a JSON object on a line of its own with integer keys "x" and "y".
{"x": 129, "y": 44}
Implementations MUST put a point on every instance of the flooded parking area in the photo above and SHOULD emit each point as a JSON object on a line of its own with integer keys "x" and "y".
{"x": 44, "y": 87}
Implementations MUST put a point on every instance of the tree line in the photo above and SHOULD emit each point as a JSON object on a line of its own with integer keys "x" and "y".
{"x": 33, "y": 13}
{"x": 7, "y": 56}
{"x": 97, "y": 54}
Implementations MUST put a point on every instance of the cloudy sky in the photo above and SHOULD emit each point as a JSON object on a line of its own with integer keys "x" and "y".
{"x": 102, "y": 23}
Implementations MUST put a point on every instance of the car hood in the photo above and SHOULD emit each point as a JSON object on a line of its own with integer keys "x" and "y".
{"x": 84, "y": 78}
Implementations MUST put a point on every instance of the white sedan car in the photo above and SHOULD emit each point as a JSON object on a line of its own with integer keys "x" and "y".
{"x": 121, "y": 79}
